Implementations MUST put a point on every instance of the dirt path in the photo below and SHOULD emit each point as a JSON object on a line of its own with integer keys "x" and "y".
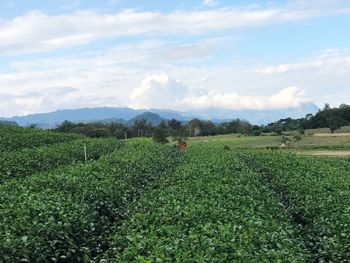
{"x": 327, "y": 153}
{"x": 331, "y": 134}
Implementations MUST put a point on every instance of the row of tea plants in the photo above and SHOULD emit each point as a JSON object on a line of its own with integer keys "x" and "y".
{"x": 24, "y": 162}
{"x": 316, "y": 193}
{"x": 68, "y": 215}
{"x": 13, "y": 138}
{"x": 212, "y": 208}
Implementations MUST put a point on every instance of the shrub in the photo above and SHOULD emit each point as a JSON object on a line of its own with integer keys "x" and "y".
{"x": 159, "y": 136}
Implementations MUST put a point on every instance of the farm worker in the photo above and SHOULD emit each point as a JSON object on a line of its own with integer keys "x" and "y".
{"x": 182, "y": 146}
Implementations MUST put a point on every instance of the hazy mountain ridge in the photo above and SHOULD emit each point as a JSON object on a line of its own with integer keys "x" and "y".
{"x": 151, "y": 117}
{"x": 8, "y": 122}
{"x": 155, "y": 116}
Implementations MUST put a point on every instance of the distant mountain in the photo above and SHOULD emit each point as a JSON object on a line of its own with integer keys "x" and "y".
{"x": 171, "y": 114}
{"x": 256, "y": 116}
{"x": 153, "y": 118}
{"x": 8, "y": 123}
{"x": 76, "y": 115}
{"x": 128, "y": 115}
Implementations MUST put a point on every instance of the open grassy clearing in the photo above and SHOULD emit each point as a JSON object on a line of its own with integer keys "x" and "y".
{"x": 309, "y": 144}
{"x": 323, "y": 143}
{"x": 238, "y": 142}
{"x": 344, "y": 129}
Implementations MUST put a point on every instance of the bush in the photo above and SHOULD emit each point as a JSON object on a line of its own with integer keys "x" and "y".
{"x": 159, "y": 136}
{"x": 67, "y": 215}
{"x": 212, "y": 208}
{"x": 256, "y": 133}
{"x": 297, "y": 137}
{"x": 25, "y": 162}
{"x": 315, "y": 192}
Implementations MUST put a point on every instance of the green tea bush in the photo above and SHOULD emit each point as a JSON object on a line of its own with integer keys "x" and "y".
{"x": 67, "y": 215}
{"x": 211, "y": 209}
{"x": 15, "y": 164}
{"x": 316, "y": 193}
{"x": 16, "y": 138}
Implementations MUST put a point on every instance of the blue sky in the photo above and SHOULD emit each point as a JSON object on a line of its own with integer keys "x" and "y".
{"x": 172, "y": 54}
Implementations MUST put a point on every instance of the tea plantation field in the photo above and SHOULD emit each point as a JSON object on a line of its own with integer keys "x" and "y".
{"x": 138, "y": 201}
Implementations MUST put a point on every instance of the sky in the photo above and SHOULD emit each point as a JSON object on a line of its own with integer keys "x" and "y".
{"x": 182, "y": 55}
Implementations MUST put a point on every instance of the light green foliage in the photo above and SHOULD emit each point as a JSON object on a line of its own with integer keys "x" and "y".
{"x": 211, "y": 209}
{"x": 16, "y": 164}
{"x": 15, "y": 138}
{"x": 148, "y": 202}
{"x": 238, "y": 142}
{"x": 316, "y": 193}
{"x": 67, "y": 215}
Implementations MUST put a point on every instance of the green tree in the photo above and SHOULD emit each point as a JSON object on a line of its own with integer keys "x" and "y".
{"x": 159, "y": 136}
{"x": 334, "y": 122}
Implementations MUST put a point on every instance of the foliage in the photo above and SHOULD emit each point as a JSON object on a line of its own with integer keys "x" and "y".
{"x": 67, "y": 215}
{"x": 316, "y": 194}
{"x": 15, "y": 138}
{"x": 25, "y": 162}
{"x": 211, "y": 209}
{"x": 159, "y": 136}
{"x": 173, "y": 128}
{"x": 332, "y": 118}
{"x": 286, "y": 141}
{"x": 297, "y": 137}
{"x": 235, "y": 126}
{"x": 12, "y": 123}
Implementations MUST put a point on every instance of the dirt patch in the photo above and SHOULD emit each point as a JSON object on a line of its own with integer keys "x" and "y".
{"x": 327, "y": 153}
{"x": 341, "y": 134}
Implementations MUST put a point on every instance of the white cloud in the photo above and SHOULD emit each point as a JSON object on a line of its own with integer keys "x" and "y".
{"x": 329, "y": 60}
{"x": 160, "y": 91}
{"x": 51, "y": 99}
{"x": 289, "y": 97}
{"x": 37, "y": 31}
{"x": 106, "y": 78}
{"x": 209, "y": 2}
{"x": 189, "y": 51}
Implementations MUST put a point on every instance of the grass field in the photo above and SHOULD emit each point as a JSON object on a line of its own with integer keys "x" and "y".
{"x": 239, "y": 142}
{"x": 344, "y": 129}
{"x": 309, "y": 144}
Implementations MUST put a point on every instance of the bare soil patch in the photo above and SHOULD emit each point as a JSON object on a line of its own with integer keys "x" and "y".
{"x": 332, "y": 134}
{"x": 327, "y": 153}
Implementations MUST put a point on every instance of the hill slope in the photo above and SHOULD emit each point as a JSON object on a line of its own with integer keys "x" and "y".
{"x": 51, "y": 119}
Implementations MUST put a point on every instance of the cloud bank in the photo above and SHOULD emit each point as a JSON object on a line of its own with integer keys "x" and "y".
{"x": 37, "y": 31}
{"x": 200, "y": 51}
{"x": 160, "y": 91}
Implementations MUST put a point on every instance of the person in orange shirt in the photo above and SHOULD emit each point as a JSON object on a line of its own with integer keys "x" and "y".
{"x": 182, "y": 145}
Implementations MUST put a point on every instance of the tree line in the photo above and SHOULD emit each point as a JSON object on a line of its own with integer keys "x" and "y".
{"x": 143, "y": 128}
{"x": 332, "y": 118}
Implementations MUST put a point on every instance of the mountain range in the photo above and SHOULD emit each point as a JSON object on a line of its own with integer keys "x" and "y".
{"x": 155, "y": 116}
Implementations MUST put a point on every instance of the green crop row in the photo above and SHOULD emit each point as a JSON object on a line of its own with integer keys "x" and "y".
{"x": 211, "y": 209}
{"x": 16, "y": 164}
{"x": 31, "y": 138}
{"x": 6, "y": 129}
{"x": 316, "y": 193}
{"x": 67, "y": 215}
